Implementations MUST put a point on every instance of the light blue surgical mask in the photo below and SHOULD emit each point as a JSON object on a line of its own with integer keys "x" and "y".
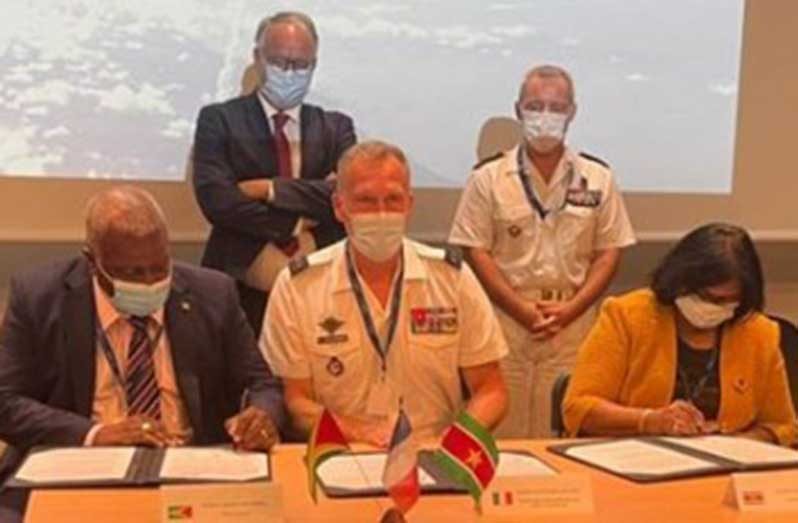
{"x": 138, "y": 299}
{"x": 286, "y": 88}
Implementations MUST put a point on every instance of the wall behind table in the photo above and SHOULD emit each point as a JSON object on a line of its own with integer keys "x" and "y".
{"x": 41, "y": 218}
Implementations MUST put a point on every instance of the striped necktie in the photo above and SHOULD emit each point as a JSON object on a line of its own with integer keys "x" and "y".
{"x": 141, "y": 387}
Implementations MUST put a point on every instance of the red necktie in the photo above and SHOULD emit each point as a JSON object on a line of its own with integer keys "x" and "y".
{"x": 283, "y": 149}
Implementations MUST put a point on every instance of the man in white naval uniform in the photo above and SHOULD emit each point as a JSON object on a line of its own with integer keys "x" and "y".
{"x": 377, "y": 322}
{"x": 543, "y": 227}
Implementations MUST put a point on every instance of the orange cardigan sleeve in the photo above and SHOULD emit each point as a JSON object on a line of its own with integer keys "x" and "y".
{"x": 600, "y": 366}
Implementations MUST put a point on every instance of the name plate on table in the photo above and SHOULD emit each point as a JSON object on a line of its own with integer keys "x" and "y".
{"x": 763, "y": 492}
{"x": 538, "y": 495}
{"x": 260, "y": 502}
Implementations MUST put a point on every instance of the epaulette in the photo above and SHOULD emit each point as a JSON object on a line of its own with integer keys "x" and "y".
{"x": 298, "y": 265}
{"x": 453, "y": 256}
{"x": 487, "y": 160}
{"x": 595, "y": 159}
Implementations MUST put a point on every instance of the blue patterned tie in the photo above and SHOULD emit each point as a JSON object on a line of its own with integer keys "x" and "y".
{"x": 141, "y": 387}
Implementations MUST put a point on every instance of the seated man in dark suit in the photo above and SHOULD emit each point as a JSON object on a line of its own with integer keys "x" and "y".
{"x": 123, "y": 346}
{"x": 264, "y": 165}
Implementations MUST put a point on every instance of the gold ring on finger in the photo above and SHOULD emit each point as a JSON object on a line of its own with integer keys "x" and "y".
{"x": 146, "y": 426}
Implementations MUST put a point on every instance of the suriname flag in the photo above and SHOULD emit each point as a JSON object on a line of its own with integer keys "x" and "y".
{"x": 468, "y": 455}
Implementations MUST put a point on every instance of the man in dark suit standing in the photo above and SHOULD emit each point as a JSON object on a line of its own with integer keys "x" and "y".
{"x": 264, "y": 165}
{"x": 123, "y": 346}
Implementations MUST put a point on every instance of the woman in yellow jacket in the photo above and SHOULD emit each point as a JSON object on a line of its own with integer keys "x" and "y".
{"x": 692, "y": 354}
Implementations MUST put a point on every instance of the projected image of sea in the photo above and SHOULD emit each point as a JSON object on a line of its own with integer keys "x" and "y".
{"x": 112, "y": 88}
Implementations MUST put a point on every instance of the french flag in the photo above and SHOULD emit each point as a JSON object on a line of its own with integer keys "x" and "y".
{"x": 400, "y": 476}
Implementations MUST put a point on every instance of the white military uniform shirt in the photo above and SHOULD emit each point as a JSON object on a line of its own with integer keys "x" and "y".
{"x": 314, "y": 329}
{"x": 586, "y": 214}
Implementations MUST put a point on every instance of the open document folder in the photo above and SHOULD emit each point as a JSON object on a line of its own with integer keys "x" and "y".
{"x": 360, "y": 474}
{"x": 119, "y": 466}
{"x": 660, "y": 459}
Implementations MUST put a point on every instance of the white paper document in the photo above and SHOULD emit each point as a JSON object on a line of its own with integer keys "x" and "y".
{"x": 359, "y": 472}
{"x": 513, "y": 464}
{"x": 638, "y": 457}
{"x": 213, "y": 464}
{"x": 740, "y": 450}
{"x": 77, "y": 464}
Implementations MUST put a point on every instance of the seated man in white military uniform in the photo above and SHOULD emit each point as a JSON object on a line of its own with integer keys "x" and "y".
{"x": 377, "y": 321}
{"x": 542, "y": 226}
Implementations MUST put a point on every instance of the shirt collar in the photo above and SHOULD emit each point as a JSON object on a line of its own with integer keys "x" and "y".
{"x": 107, "y": 313}
{"x": 414, "y": 268}
{"x": 270, "y": 110}
{"x": 567, "y": 162}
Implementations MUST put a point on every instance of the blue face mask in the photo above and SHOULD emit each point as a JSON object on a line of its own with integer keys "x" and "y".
{"x": 138, "y": 299}
{"x": 285, "y": 89}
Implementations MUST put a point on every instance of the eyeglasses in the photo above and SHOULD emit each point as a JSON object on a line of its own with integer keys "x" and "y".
{"x": 290, "y": 64}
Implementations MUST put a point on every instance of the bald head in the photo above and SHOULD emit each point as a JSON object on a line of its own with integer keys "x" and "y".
{"x": 126, "y": 235}
{"x": 127, "y": 211}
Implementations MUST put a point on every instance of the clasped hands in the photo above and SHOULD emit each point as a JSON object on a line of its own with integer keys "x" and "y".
{"x": 545, "y": 318}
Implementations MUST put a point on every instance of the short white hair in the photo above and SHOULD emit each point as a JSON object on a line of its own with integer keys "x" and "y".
{"x": 370, "y": 151}
{"x": 126, "y": 210}
{"x": 549, "y": 71}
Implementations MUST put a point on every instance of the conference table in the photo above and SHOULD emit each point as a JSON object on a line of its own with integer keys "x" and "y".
{"x": 615, "y": 499}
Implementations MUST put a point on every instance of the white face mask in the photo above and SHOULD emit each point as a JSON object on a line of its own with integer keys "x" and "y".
{"x": 138, "y": 299}
{"x": 703, "y": 314}
{"x": 377, "y": 235}
{"x": 544, "y": 130}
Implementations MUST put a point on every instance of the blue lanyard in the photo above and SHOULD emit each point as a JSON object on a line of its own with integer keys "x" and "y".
{"x": 365, "y": 312}
{"x": 695, "y": 391}
{"x": 110, "y": 356}
{"x": 529, "y": 190}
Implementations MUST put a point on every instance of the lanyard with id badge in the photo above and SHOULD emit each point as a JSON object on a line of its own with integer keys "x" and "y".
{"x": 380, "y": 396}
{"x": 694, "y": 390}
{"x": 532, "y": 197}
{"x": 110, "y": 356}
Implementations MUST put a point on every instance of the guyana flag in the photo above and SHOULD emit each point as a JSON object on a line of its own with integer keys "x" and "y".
{"x": 326, "y": 440}
{"x": 468, "y": 455}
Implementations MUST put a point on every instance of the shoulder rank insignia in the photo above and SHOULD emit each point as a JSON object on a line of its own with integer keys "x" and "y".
{"x": 298, "y": 265}
{"x": 487, "y": 160}
{"x": 453, "y": 256}
{"x": 594, "y": 159}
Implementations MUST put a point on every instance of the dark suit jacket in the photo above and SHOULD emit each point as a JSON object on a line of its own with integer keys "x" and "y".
{"x": 48, "y": 349}
{"x": 233, "y": 142}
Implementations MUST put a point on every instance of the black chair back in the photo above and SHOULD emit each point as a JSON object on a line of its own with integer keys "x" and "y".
{"x": 789, "y": 350}
{"x": 557, "y": 395}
